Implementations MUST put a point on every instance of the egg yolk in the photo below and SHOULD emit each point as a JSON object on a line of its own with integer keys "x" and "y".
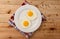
{"x": 25, "y": 23}
{"x": 30, "y": 13}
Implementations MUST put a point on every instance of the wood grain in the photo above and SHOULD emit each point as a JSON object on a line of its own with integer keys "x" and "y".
{"x": 49, "y": 29}
{"x": 5, "y": 17}
{"x": 8, "y": 9}
{"x": 11, "y": 2}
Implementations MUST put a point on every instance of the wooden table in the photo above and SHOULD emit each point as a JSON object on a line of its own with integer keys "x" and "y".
{"x": 50, "y": 28}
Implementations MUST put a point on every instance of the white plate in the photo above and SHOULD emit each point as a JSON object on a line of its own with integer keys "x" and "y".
{"x": 38, "y": 21}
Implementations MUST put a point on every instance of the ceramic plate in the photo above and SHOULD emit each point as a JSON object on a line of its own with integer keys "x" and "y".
{"x": 36, "y": 24}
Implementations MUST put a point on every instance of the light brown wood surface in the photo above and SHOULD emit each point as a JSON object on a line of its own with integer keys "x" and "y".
{"x": 50, "y": 28}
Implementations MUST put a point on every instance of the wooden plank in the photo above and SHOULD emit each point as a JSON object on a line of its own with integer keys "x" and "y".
{"x": 10, "y": 32}
{"x": 4, "y": 24}
{"x": 11, "y": 2}
{"x": 39, "y": 34}
{"x": 51, "y": 11}
{"x": 38, "y": 2}
{"x": 53, "y": 6}
{"x": 48, "y": 6}
{"x": 8, "y": 9}
{"x": 52, "y": 2}
{"x": 5, "y": 17}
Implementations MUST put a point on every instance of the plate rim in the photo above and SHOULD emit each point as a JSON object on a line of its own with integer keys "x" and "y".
{"x": 20, "y": 8}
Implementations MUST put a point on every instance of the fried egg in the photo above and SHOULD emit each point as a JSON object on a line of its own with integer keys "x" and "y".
{"x": 25, "y": 23}
{"x": 31, "y": 15}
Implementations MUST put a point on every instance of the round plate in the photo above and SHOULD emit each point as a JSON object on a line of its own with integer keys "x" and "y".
{"x": 37, "y": 22}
